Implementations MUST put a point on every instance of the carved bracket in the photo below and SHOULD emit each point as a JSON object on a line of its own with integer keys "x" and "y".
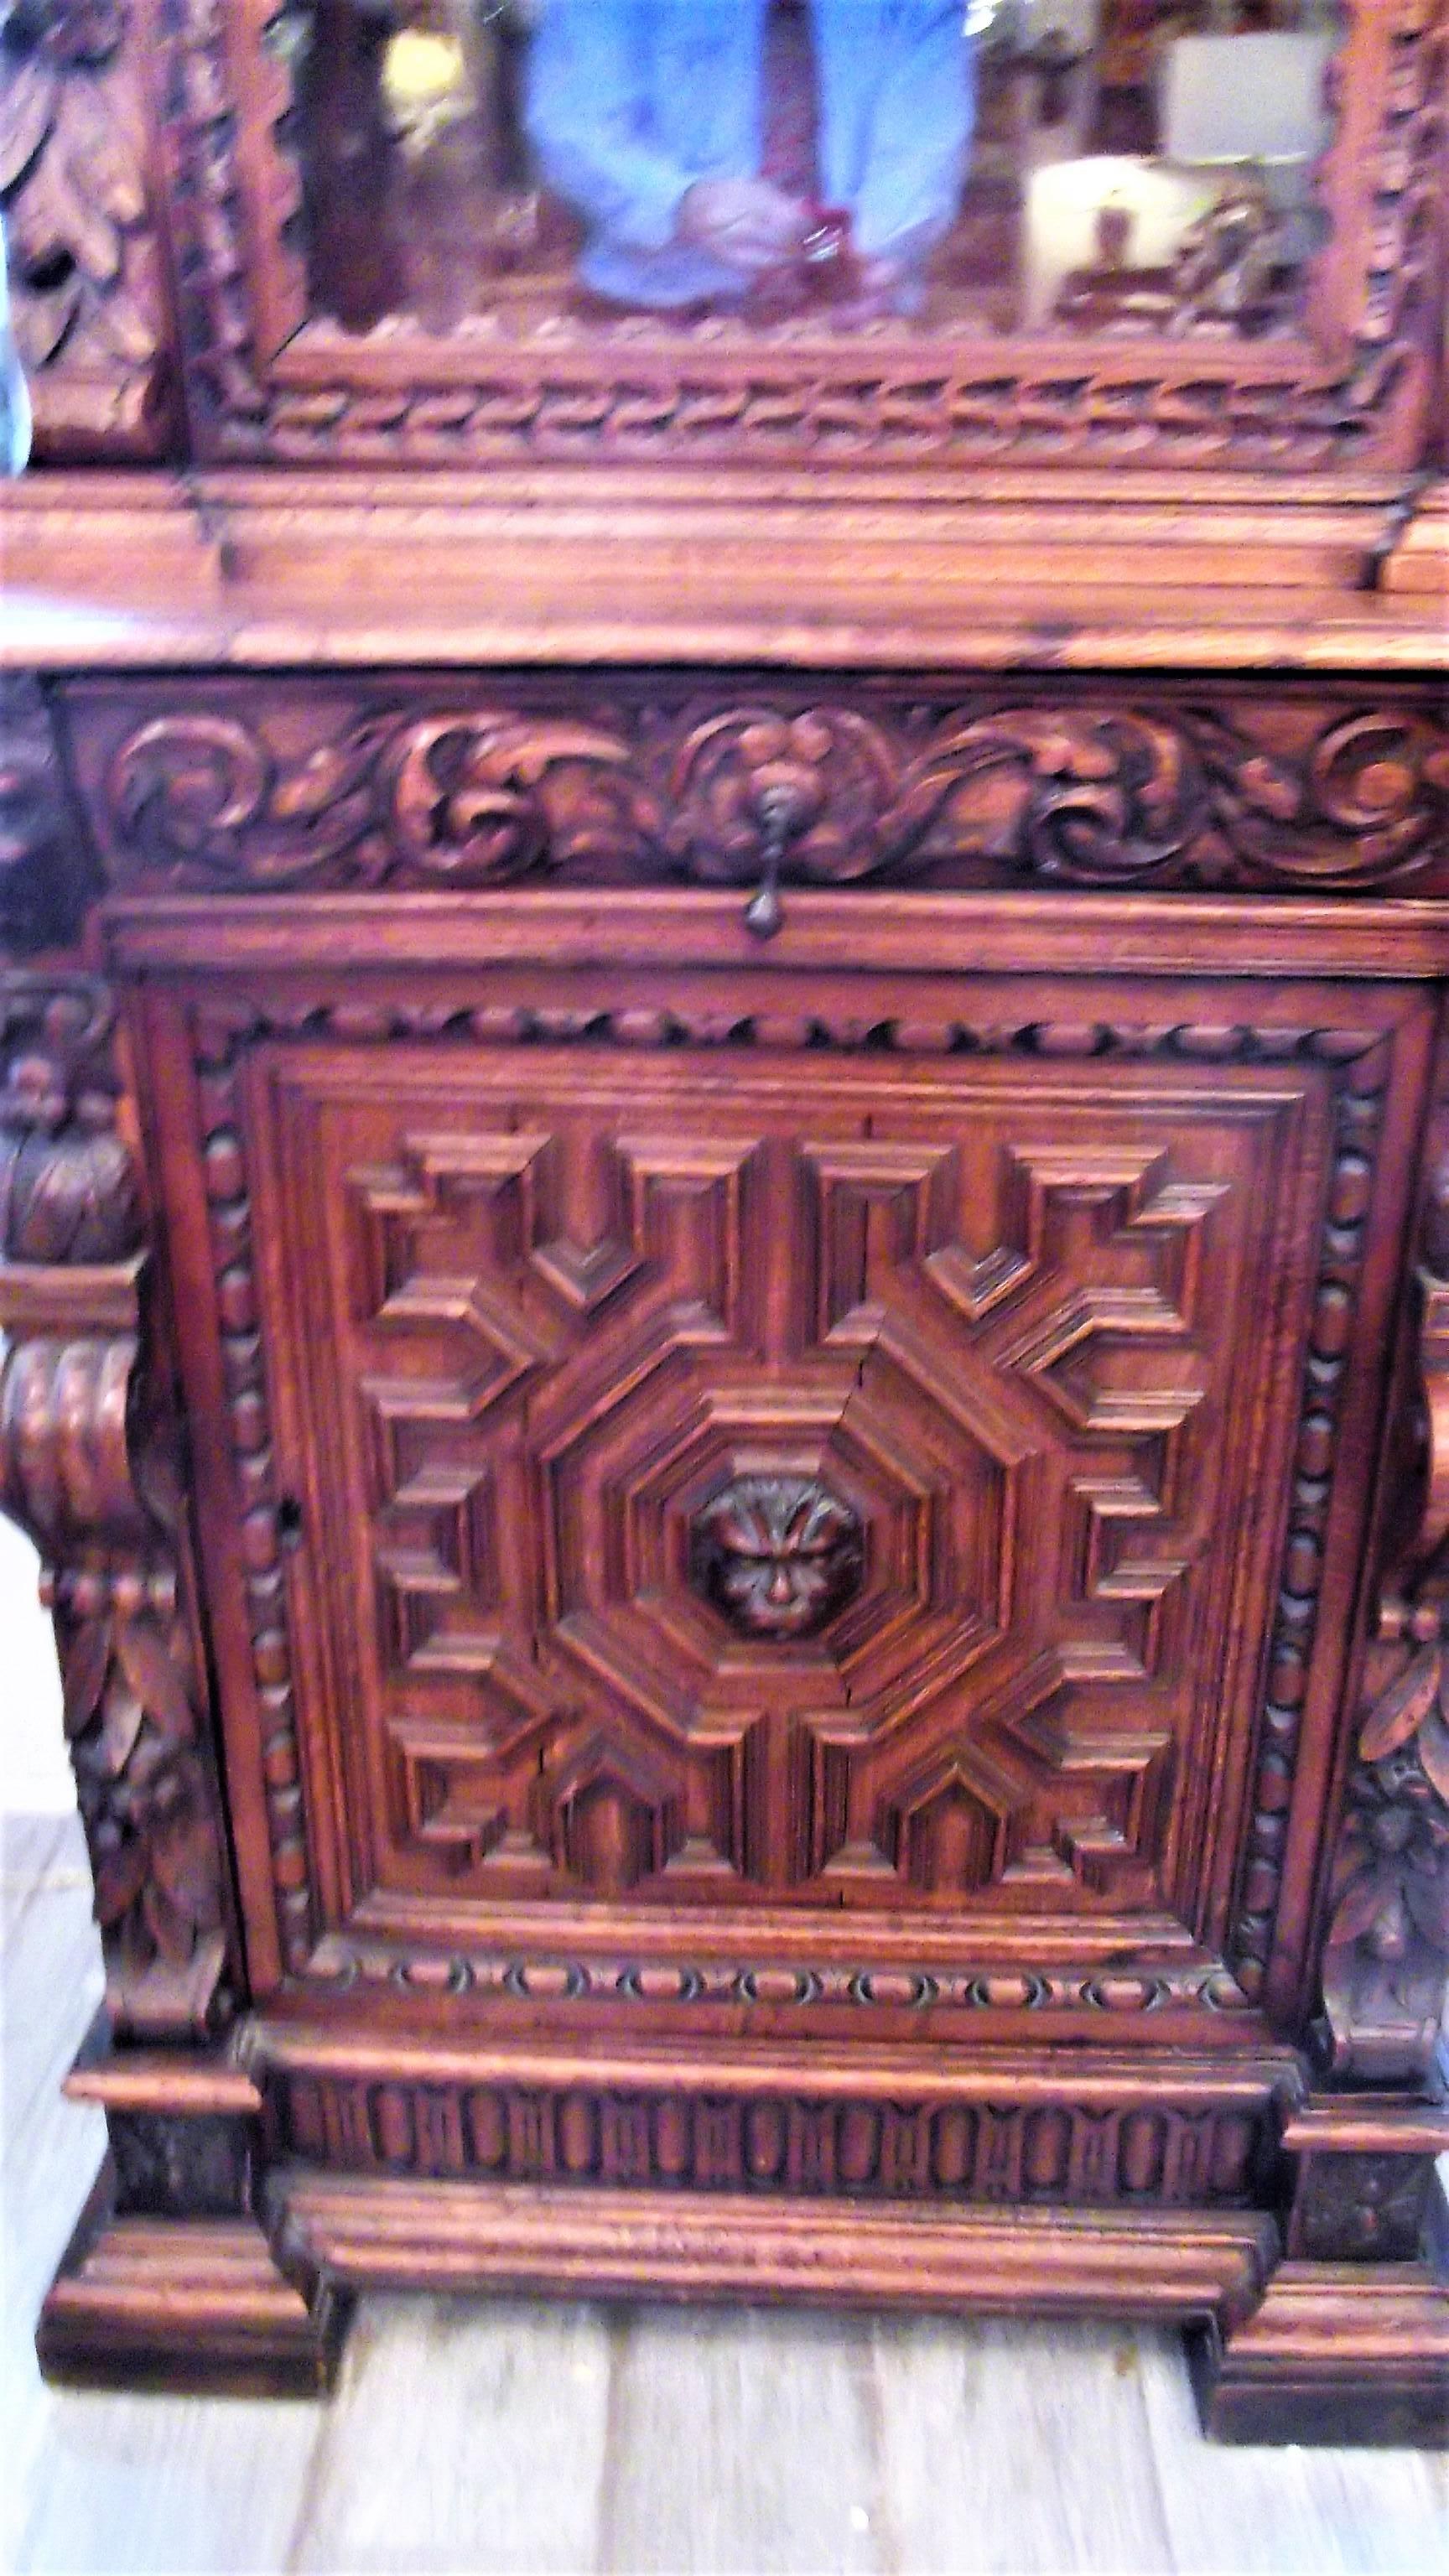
{"x": 88, "y": 1468}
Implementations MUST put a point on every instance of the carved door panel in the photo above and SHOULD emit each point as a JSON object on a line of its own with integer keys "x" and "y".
{"x": 758, "y": 1486}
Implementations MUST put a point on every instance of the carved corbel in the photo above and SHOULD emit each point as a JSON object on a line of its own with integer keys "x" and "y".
{"x": 1386, "y": 1961}
{"x": 88, "y": 1468}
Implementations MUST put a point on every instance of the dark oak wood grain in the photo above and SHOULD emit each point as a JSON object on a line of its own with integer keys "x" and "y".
{"x": 723, "y": 1243}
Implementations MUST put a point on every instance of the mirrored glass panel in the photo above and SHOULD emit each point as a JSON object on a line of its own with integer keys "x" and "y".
{"x": 792, "y": 167}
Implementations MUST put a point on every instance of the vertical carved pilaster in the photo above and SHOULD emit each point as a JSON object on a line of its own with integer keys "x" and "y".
{"x": 1351, "y": 2342}
{"x": 89, "y": 1467}
{"x": 1386, "y": 1959}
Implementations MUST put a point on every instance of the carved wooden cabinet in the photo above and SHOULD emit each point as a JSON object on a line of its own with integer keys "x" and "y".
{"x": 725, "y": 1253}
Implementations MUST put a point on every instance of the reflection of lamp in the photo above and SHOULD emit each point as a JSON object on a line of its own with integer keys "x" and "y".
{"x": 1231, "y": 99}
{"x": 1253, "y": 102}
{"x": 1149, "y": 208}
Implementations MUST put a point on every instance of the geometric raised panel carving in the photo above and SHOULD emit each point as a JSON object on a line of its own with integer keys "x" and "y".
{"x": 995, "y": 1325}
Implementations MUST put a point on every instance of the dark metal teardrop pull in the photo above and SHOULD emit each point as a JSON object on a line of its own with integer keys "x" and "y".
{"x": 764, "y": 912}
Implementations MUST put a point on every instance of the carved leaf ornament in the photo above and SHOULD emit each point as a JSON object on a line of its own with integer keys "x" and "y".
{"x": 88, "y": 1467}
{"x": 1085, "y": 795}
{"x": 1391, "y": 1883}
{"x": 144, "y": 1796}
{"x": 71, "y": 187}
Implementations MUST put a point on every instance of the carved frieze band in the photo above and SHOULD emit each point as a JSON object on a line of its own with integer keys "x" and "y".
{"x": 89, "y": 1468}
{"x": 86, "y": 280}
{"x": 1068, "y": 2152}
{"x": 1357, "y": 1061}
{"x": 1071, "y": 789}
{"x": 727, "y": 391}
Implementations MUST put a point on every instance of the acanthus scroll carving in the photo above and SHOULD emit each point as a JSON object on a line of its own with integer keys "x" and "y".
{"x": 1082, "y": 791}
{"x": 88, "y": 1468}
{"x": 86, "y": 281}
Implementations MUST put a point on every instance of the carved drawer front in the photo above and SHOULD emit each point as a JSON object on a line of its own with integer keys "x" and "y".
{"x": 748, "y": 1486}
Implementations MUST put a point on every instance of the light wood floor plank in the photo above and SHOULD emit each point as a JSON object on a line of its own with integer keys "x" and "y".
{"x": 52, "y": 1987}
{"x": 464, "y": 2435}
{"x": 166, "y": 2486}
{"x": 31, "y": 1848}
{"x": 1017, "y": 2448}
{"x": 520, "y": 2435}
{"x": 743, "y": 2440}
{"x": 1290, "y": 2512}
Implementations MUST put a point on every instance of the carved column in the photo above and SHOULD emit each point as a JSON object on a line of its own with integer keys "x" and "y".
{"x": 1352, "y": 2341}
{"x": 91, "y": 1467}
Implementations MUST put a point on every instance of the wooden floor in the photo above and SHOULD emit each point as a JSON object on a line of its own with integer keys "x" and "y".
{"x": 530, "y": 2436}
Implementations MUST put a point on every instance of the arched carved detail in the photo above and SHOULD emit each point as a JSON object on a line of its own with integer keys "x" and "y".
{"x": 89, "y": 1469}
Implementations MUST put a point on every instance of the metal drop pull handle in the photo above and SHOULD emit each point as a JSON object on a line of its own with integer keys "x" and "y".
{"x": 779, "y": 813}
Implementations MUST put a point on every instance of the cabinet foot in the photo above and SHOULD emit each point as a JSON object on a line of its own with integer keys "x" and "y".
{"x": 186, "y": 2304}
{"x": 1335, "y": 2354}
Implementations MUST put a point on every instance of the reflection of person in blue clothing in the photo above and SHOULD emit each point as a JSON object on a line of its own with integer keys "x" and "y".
{"x": 648, "y": 117}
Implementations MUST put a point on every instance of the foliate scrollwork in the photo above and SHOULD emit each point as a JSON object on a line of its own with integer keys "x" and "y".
{"x": 1080, "y": 792}
{"x": 88, "y": 1468}
{"x": 447, "y": 799}
{"x": 84, "y": 271}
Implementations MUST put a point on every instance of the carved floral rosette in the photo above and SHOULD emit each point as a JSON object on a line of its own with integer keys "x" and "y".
{"x": 88, "y": 1467}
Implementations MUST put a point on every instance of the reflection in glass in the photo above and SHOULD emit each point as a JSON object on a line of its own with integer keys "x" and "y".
{"x": 793, "y": 166}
